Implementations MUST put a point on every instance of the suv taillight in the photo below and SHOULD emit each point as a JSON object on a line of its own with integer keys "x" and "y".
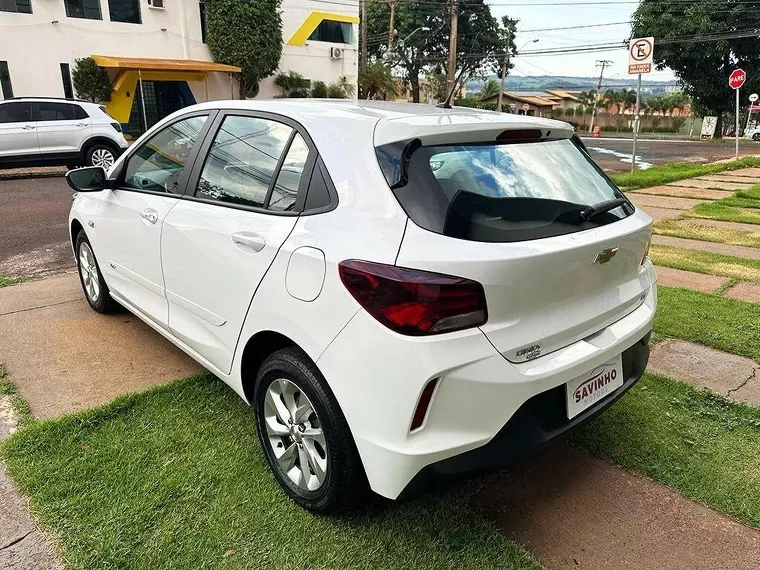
{"x": 116, "y": 126}
{"x": 414, "y": 302}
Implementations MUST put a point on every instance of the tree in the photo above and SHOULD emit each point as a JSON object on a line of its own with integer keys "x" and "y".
{"x": 490, "y": 88}
{"x": 480, "y": 45}
{"x": 247, "y": 34}
{"x": 377, "y": 81}
{"x": 91, "y": 81}
{"x": 702, "y": 67}
{"x": 558, "y": 112}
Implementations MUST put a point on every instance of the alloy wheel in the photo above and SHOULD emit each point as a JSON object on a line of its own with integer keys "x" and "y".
{"x": 102, "y": 157}
{"x": 89, "y": 271}
{"x": 295, "y": 435}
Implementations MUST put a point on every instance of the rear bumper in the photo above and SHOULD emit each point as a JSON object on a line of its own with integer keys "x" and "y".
{"x": 538, "y": 422}
{"x": 481, "y": 400}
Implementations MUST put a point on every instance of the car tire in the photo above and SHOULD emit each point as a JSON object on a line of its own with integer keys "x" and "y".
{"x": 93, "y": 285}
{"x": 756, "y": 137}
{"x": 343, "y": 482}
{"x": 100, "y": 154}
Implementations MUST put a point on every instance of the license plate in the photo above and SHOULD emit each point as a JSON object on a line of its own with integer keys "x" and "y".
{"x": 588, "y": 389}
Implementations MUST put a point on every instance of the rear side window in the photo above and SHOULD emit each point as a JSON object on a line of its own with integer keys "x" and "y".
{"x": 242, "y": 161}
{"x": 59, "y": 112}
{"x": 500, "y": 192}
{"x": 15, "y": 112}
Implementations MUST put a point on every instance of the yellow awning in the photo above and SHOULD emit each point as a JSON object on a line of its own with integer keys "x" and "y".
{"x": 151, "y": 64}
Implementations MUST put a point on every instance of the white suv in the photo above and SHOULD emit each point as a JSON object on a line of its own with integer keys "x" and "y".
{"x": 40, "y": 131}
{"x": 400, "y": 291}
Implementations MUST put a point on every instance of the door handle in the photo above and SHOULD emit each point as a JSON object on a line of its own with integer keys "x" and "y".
{"x": 28, "y": 127}
{"x": 149, "y": 215}
{"x": 249, "y": 240}
{"x": 81, "y": 125}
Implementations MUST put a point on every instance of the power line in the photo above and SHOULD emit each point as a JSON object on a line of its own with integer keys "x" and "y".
{"x": 575, "y": 27}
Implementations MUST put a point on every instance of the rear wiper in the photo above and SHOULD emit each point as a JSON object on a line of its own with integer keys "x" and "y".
{"x": 594, "y": 210}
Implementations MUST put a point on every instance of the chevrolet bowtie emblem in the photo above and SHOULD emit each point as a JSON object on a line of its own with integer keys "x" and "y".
{"x": 605, "y": 255}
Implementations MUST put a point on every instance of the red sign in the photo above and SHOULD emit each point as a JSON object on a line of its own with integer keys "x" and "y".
{"x": 737, "y": 79}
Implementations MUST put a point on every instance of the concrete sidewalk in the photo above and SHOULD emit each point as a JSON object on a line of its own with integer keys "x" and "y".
{"x": 64, "y": 357}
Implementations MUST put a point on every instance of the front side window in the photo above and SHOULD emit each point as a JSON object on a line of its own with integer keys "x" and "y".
{"x": 159, "y": 162}
{"x": 58, "y": 112}
{"x": 242, "y": 161}
{"x": 22, "y": 6}
{"x": 87, "y": 9}
{"x": 5, "y": 81}
{"x": 502, "y": 192}
{"x": 127, "y": 11}
{"x": 332, "y": 31}
{"x": 15, "y": 112}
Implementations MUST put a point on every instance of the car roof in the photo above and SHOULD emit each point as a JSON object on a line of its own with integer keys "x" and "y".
{"x": 389, "y": 122}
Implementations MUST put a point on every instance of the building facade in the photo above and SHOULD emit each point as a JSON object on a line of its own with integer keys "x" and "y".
{"x": 156, "y": 53}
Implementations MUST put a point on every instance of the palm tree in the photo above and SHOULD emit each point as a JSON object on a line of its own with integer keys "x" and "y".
{"x": 490, "y": 89}
{"x": 377, "y": 81}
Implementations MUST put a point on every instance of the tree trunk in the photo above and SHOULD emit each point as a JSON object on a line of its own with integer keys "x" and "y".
{"x": 414, "y": 80}
{"x": 241, "y": 87}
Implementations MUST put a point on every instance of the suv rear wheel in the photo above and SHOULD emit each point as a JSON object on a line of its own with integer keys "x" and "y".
{"x": 304, "y": 435}
{"x": 100, "y": 154}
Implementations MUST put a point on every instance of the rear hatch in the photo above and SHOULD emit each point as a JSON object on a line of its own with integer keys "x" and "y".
{"x": 509, "y": 213}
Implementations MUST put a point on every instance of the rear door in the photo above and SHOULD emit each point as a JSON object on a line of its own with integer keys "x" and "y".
{"x": 508, "y": 216}
{"x": 219, "y": 241}
{"x": 61, "y": 127}
{"x": 18, "y": 133}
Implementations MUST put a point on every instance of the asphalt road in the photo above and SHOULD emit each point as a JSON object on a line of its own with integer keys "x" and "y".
{"x": 34, "y": 235}
{"x": 615, "y": 154}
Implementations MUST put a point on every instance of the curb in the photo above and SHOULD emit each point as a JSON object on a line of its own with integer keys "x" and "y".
{"x": 31, "y": 174}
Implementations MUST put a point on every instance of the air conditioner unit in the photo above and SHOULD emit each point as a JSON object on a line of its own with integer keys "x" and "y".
{"x": 158, "y": 4}
{"x": 336, "y": 53}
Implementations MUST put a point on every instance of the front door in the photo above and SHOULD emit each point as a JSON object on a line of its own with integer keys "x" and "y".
{"x": 62, "y": 128}
{"x": 131, "y": 217}
{"x": 219, "y": 243}
{"x": 18, "y": 132}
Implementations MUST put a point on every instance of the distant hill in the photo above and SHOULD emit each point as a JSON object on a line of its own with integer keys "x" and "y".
{"x": 543, "y": 82}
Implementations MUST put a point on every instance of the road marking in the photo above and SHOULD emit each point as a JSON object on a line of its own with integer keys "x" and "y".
{"x": 624, "y": 157}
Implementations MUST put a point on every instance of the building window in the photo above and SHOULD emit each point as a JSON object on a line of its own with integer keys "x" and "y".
{"x": 127, "y": 11}
{"x": 202, "y": 8}
{"x": 5, "y": 81}
{"x": 68, "y": 90}
{"x": 23, "y": 6}
{"x": 87, "y": 9}
{"x": 332, "y": 31}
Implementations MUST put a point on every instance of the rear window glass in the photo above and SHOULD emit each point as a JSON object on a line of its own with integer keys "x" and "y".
{"x": 500, "y": 192}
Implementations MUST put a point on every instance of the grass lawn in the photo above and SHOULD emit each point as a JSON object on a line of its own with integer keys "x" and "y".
{"x": 692, "y": 229}
{"x": 8, "y": 281}
{"x": 704, "y": 262}
{"x": 658, "y": 175}
{"x": 174, "y": 478}
{"x": 743, "y": 207}
{"x": 19, "y": 404}
{"x": 700, "y": 444}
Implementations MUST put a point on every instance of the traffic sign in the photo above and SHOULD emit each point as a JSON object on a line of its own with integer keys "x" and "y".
{"x": 640, "y": 56}
{"x": 753, "y": 98}
{"x": 737, "y": 79}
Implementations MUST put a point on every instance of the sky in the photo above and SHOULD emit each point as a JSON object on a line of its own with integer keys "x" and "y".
{"x": 534, "y": 17}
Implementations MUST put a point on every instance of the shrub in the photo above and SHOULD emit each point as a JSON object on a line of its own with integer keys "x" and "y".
{"x": 319, "y": 89}
{"x": 91, "y": 81}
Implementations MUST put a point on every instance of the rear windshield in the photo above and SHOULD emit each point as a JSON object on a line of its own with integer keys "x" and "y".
{"x": 499, "y": 192}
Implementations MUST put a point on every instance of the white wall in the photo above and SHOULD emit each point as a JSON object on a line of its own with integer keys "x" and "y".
{"x": 34, "y": 46}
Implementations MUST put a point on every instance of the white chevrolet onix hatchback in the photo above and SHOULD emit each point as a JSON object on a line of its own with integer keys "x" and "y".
{"x": 400, "y": 291}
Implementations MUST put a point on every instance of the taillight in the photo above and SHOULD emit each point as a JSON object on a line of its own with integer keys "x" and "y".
{"x": 414, "y": 302}
{"x": 116, "y": 126}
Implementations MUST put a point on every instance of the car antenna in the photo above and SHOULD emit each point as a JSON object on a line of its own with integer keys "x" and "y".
{"x": 447, "y": 103}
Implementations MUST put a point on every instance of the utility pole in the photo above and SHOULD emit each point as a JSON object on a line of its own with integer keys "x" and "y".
{"x": 391, "y": 30}
{"x": 603, "y": 63}
{"x": 363, "y": 47}
{"x": 452, "y": 70}
{"x": 504, "y": 67}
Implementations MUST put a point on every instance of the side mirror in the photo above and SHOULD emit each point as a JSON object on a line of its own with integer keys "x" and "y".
{"x": 90, "y": 179}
